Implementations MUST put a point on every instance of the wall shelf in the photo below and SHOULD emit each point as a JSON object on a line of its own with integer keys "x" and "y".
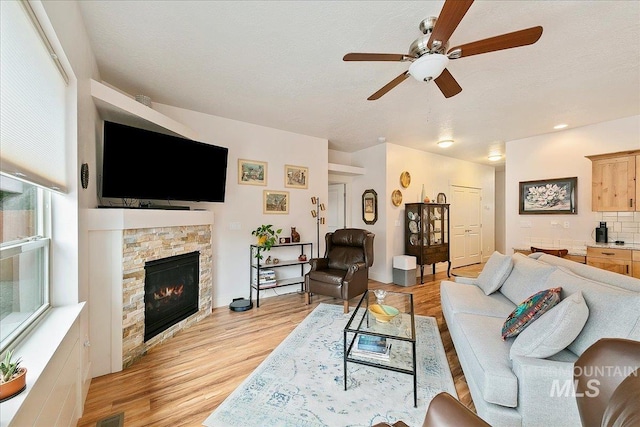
{"x": 339, "y": 169}
{"x": 115, "y": 106}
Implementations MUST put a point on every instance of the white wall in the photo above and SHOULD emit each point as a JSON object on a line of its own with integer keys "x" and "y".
{"x": 243, "y": 203}
{"x": 500, "y": 211}
{"x": 558, "y": 155}
{"x": 437, "y": 173}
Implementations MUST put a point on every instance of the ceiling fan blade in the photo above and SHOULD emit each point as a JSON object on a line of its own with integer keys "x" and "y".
{"x": 386, "y": 88}
{"x": 504, "y": 41}
{"x": 375, "y": 57}
{"x": 447, "y": 84}
{"x": 452, "y": 13}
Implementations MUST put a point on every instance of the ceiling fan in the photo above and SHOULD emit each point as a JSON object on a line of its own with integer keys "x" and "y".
{"x": 427, "y": 52}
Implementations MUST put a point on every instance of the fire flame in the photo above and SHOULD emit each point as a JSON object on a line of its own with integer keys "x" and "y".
{"x": 168, "y": 291}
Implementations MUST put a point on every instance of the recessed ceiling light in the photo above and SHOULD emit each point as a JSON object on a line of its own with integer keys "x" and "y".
{"x": 560, "y": 126}
{"x": 495, "y": 157}
{"x": 445, "y": 143}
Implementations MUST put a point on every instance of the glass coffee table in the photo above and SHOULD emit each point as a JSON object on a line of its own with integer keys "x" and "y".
{"x": 390, "y": 322}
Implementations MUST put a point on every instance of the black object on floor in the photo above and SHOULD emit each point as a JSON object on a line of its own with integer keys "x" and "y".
{"x": 240, "y": 304}
{"x": 116, "y": 420}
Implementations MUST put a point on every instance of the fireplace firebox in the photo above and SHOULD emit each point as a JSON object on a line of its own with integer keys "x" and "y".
{"x": 171, "y": 288}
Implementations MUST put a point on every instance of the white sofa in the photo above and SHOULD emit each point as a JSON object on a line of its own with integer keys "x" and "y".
{"x": 514, "y": 390}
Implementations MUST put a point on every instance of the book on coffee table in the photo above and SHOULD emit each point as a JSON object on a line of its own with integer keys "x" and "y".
{"x": 372, "y": 346}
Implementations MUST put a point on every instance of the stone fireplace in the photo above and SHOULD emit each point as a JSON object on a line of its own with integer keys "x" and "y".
{"x": 170, "y": 291}
{"x": 121, "y": 243}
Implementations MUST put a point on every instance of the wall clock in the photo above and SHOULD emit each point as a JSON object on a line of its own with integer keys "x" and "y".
{"x": 405, "y": 179}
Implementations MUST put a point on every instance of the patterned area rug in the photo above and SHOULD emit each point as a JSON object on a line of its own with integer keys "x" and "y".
{"x": 301, "y": 382}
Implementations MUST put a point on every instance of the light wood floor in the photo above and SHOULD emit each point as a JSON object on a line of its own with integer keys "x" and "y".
{"x": 181, "y": 381}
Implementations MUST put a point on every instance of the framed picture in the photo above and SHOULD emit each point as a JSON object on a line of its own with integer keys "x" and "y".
{"x": 549, "y": 196}
{"x": 296, "y": 176}
{"x": 370, "y": 206}
{"x": 275, "y": 202}
{"x": 252, "y": 172}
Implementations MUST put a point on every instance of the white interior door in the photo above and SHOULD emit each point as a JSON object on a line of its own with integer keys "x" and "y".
{"x": 336, "y": 217}
{"x": 466, "y": 226}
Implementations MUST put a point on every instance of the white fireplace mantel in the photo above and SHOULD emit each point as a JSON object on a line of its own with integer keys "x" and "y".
{"x": 106, "y": 230}
{"x": 127, "y": 219}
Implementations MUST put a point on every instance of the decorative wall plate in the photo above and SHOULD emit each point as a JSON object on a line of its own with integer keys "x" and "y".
{"x": 405, "y": 179}
{"x": 396, "y": 197}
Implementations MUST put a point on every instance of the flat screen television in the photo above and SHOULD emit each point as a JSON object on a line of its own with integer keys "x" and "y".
{"x": 141, "y": 164}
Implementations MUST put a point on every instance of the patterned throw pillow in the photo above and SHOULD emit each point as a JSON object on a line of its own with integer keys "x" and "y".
{"x": 529, "y": 310}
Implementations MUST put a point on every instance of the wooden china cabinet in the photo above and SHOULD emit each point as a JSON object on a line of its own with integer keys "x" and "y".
{"x": 426, "y": 234}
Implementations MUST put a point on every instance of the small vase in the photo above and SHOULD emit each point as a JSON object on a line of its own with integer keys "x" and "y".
{"x": 14, "y": 386}
{"x": 295, "y": 236}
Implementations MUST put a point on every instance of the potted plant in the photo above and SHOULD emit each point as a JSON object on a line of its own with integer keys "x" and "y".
{"x": 13, "y": 378}
{"x": 267, "y": 237}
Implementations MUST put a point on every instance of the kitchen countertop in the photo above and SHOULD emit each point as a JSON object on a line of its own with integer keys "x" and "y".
{"x": 630, "y": 246}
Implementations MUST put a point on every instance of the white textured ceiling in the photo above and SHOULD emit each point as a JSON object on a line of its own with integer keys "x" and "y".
{"x": 279, "y": 64}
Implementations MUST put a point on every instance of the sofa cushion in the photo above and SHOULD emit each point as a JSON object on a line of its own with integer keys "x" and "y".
{"x": 527, "y": 277}
{"x": 554, "y": 330}
{"x": 461, "y": 298}
{"x": 529, "y": 310}
{"x": 495, "y": 272}
{"x": 613, "y": 312}
{"x": 488, "y": 358}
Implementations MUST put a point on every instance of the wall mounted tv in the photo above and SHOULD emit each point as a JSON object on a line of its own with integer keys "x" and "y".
{"x": 141, "y": 164}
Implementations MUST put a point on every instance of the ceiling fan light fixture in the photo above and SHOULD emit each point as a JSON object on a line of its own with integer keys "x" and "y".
{"x": 446, "y": 143}
{"x": 560, "y": 126}
{"x": 428, "y": 67}
{"x": 495, "y": 157}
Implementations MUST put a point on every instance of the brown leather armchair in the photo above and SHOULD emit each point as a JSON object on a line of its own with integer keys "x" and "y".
{"x": 607, "y": 379}
{"x": 344, "y": 271}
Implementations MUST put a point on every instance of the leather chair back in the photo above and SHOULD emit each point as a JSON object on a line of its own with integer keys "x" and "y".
{"x": 599, "y": 371}
{"x": 347, "y": 246}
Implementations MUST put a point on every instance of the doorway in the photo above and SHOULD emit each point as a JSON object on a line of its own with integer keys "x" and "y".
{"x": 336, "y": 207}
{"x": 466, "y": 226}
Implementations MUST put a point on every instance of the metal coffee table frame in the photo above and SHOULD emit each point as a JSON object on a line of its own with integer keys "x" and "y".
{"x": 362, "y": 322}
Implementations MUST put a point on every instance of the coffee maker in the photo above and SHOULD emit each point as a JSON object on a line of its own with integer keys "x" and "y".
{"x": 601, "y": 233}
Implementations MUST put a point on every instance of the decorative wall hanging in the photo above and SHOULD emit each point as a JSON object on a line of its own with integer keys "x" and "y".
{"x": 441, "y": 198}
{"x": 369, "y": 206}
{"x": 275, "y": 202}
{"x": 396, "y": 197}
{"x": 549, "y": 196}
{"x": 296, "y": 176}
{"x": 252, "y": 172}
{"x": 405, "y": 179}
{"x": 84, "y": 175}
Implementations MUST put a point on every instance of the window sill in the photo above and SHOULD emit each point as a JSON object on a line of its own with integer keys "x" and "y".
{"x": 36, "y": 351}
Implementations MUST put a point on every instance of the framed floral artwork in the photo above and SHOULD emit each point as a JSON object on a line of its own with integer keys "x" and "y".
{"x": 549, "y": 196}
{"x": 296, "y": 176}
{"x": 252, "y": 172}
{"x": 275, "y": 202}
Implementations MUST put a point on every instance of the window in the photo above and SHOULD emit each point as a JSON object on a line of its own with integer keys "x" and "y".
{"x": 33, "y": 91}
{"x": 24, "y": 255}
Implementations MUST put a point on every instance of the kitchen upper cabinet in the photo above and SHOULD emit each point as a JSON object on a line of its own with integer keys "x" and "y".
{"x": 614, "y": 181}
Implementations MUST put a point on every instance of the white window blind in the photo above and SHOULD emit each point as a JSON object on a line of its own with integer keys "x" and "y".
{"x": 32, "y": 103}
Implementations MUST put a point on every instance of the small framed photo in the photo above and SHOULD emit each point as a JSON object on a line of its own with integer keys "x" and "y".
{"x": 549, "y": 196}
{"x": 252, "y": 172}
{"x": 296, "y": 176}
{"x": 275, "y": 202}
{"x": 284, "y": 240}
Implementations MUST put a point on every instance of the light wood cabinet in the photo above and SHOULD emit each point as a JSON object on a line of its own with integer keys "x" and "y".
{"x": 635, "y": 268}
{"x": 614, "y": 181}
{"x": 616, "y": 260}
